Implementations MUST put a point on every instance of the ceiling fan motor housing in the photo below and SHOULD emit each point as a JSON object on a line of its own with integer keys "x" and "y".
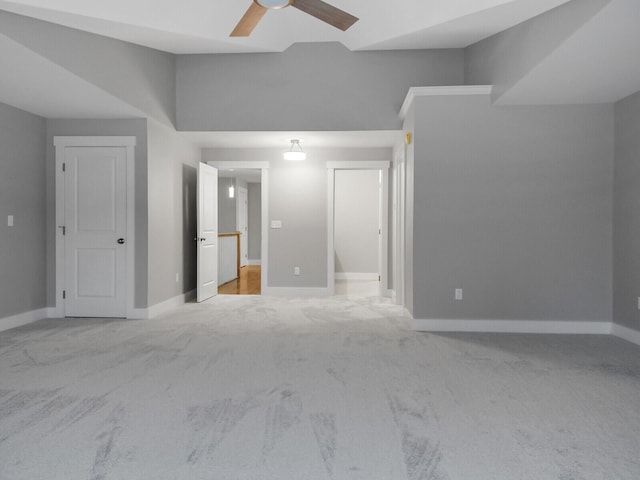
{"x": 274, "y": 4}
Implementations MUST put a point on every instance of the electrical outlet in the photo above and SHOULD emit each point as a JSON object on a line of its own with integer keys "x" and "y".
{"x": 458, "y": 294}
{"x": 296, "y": 270}
{"x": 10, "y": 221}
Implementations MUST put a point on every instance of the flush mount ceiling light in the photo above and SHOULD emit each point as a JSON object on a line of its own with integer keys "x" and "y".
{"x": 273, "y": 4}
{"x": 295, "y": 152}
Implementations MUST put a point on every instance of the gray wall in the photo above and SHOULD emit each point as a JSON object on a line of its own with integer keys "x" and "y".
{"x": 22, "y": 194}
{"x": 626, "y": 233}
{"x": 255, "y": 221}
{"x": 172, "y": 178}
{"x": 226, "y": 207}
{"x": 298, "y": 197}
{"x": 136, "y": 128}
{"x": 142, "y": 77}
{"x": 307, "y": 87}
{"x": 514, "y": 205}
{"x": 505, "y": 58}
{"x": 357, "y": 220}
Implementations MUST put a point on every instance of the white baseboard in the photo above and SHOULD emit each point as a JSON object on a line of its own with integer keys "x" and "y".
{"x": 513, "y": 326}
{"x": 254, "y": 262}
{"x": 356, "y": 276}
{"x": 21, "y": 319}
{"x": 170, "y": 304}
{"x": 296, "y": 291}
{"x": 625, "y": 333}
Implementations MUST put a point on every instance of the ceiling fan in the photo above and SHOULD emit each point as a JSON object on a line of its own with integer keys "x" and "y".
{"x": 316, "y": 8}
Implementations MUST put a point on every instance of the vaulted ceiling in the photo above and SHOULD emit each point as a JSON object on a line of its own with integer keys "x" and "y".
{"x": 203, "y": 26}
{"x": 595, "y": 60}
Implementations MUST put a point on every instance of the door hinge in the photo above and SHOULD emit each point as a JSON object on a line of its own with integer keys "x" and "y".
{"x": 379, "y": 231}
{"x": 379, "y": 278}
{"x": 64, "y": 294}
{"x": 64, "y": 167}
{"x": 64, "y": 229}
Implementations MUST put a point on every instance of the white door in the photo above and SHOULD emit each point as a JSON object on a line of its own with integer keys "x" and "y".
{"x": 207, "y": 232}
{"x": 242, "y": 220}
{"x": 95, "y": 213}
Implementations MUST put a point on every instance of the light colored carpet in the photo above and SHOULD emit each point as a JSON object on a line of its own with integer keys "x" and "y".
{"x": 252, "y": 388}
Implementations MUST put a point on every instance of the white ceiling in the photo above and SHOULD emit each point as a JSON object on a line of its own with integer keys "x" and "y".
{"x": 203, "y": 26}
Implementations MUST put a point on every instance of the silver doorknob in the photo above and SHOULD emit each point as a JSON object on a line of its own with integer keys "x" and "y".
{"x": 121, "y": 241}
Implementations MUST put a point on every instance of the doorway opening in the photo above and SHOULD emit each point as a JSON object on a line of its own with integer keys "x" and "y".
{"x": 357, "y": 232}
{"x": 358, "y": 228}
{"x": 240, "y": 231}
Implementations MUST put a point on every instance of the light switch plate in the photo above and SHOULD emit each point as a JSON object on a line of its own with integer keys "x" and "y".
{"x": 10, "y": 221}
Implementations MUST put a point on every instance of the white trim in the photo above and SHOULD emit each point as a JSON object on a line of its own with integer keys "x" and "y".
{"x": 356, "y": 276}
{"x": 21, "y": 319}
{"x": 238, "y": 213}
{"x": 383, "y": 238}
{"x": 356, "y": 165}
{"x": 264, "y": 253}
{"x": 392, "y": 295}
{"x": 400, "y": 166}
{"x": 383, "y": 246}
{"x": 255, "y": 262}
{"x": 331, "y": 222}
{"x": 61, "y": 143}
{"x": 297, "y": 291}
{"x": 513, "y": 326}
{"x": 171, "y": 304}
{"x": 264, "y": 189}
{"x": 625, "y": 333}
{"x": 441, "y": 91}
{"x": 238, "y": 165}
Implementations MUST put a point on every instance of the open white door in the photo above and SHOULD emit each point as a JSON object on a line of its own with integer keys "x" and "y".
{"x": 207, "y": 238}
{"x": 242, "y": 224}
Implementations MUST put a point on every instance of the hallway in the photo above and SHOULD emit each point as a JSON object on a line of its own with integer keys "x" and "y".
{"x": 247, "y": 284}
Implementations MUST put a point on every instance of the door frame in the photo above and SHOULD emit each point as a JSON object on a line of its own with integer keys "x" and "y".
{"x": 264, "y": 198}
{"x": 399, "y": 215}
{"x": 383, "y": 243}
{"x": 238, "y": 214}
{"x": 61, "y": 143}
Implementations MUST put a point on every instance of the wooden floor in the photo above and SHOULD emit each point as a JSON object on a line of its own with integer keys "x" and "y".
{"x": 247, "y": 284}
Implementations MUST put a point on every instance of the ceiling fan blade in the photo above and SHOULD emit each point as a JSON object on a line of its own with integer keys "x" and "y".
{"x": 248, "y": 22}
{"x": 327, "y": 13}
